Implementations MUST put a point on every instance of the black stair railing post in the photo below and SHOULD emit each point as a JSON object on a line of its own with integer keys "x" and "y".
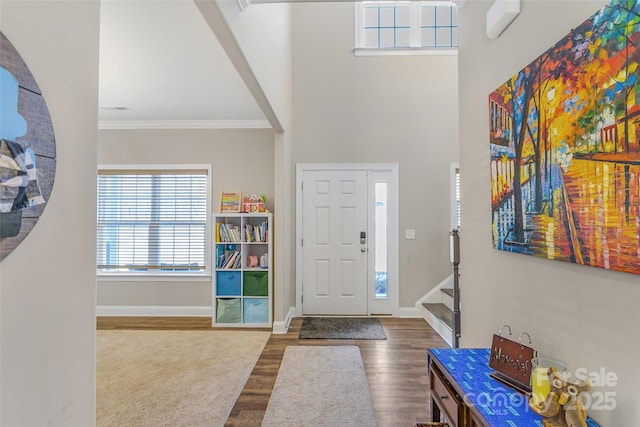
{"x": 455, "y": 259}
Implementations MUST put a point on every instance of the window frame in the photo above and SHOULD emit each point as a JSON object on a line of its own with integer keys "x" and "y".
{"x": 415, "y": 30}
{"x": 154, "y": 275}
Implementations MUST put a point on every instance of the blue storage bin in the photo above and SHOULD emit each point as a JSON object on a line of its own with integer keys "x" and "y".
{"x": 228, "y": 283}
{"x": 255, "y": 310}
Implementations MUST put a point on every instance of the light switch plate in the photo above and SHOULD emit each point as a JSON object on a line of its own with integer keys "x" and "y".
{"x": 409, "y": 234}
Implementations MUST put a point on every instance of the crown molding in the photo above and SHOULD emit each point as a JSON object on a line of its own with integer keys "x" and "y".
{"x": 184, "y": 124}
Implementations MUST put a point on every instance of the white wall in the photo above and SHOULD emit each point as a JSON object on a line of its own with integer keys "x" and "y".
{"x": 399, "y": 109}
{"x": 47, "y": 284}
{"x": 584, "y": 316}
{"x": 263, "y": 32}
{"x": 262, "y": 35}
{"x": 241, "y": 159}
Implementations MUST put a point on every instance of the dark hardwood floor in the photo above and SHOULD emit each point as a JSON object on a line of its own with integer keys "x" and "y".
{"x": 396, "y": 368}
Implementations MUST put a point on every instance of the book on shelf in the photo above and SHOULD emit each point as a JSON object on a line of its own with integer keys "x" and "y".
{"x": 230, "y": 260}
{"x": 256, "y": 233}
{"x": 227, "y": 232}
{"x": 219, "y": 256}
{"x": 237, "y": 262}
{"x": 227, "y": 256}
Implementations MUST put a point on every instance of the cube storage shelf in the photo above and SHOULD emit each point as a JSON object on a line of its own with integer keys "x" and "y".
{"x": 242, "y": 283}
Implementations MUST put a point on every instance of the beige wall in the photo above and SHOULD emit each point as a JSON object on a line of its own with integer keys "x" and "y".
{"x": 400, "y": 109}
{"x": 584, "y": 316}
{"x": 367, "y": 110}
{"x": 263, "y": 35}
{"x": 47, "y": 284}
{"x": 587, "y": 317}
{"x": 241, "y": 160}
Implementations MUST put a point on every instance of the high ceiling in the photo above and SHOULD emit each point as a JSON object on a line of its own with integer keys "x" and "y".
{"x": 161, "y": 66}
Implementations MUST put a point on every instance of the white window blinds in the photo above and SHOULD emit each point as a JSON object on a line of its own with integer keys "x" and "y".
{"x": 152, "y": 221}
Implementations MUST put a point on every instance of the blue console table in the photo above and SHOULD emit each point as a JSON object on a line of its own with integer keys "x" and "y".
{"x": 465, "y": 395}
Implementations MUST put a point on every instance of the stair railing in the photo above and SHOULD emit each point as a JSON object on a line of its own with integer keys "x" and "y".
{"x": 455, "y": 259}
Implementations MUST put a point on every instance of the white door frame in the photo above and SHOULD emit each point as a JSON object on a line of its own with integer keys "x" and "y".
{"x": 377, "y": 171}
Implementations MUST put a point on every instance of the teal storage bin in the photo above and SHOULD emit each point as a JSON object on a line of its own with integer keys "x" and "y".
{"x": 228, "y": 283}
{"x": 228, "y": 310}
{"x": 255, "y": 310}
{"x": 255, "y": 283}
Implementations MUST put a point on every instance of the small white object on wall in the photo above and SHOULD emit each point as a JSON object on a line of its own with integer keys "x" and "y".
{"x": 500, "y": 15}
{"x": 243, "y": 4}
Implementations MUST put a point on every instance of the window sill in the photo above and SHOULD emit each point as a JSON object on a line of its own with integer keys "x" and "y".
{"x": 410, "y": 51}
{"x": 127, "y": 277}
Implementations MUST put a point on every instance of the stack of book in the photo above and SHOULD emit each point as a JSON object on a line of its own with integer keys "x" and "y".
{"x": 228, "y": 232}
{"x": 256, "y": 233}
{"x": 227, "y": 257}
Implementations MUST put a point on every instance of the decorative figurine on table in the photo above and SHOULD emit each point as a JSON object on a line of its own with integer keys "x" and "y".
{"x": 565, "y": 405}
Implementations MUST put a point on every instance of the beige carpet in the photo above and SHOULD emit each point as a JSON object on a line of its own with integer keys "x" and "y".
{"x": 172, "y": 378}
{"x": 321, "y": 386}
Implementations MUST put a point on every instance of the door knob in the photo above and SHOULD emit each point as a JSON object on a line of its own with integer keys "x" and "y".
{"x": 363, "y": 250}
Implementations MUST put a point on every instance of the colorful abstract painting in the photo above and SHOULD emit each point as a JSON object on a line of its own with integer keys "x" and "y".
{"x": 565, "y": 147}
{"x": 27, "y": 150}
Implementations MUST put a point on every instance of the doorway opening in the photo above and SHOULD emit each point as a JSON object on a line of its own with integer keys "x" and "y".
{"x": 347, "y": 239}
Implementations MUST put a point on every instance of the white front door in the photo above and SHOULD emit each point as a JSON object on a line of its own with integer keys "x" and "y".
{"x": 334, "y": 242}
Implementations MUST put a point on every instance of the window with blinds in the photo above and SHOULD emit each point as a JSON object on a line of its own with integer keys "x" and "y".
{"x": 153, "y": 221}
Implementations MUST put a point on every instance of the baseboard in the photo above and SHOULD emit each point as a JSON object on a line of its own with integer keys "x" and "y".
{"x": 281, "y": 327}
{"x": 153, "y": 311}
{"x": 409, "y": 312}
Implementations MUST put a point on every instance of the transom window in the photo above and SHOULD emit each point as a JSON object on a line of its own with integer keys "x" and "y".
{"x": 387, "y": 25}
{"x": 425, "y": 25}
{"x": 153, "y": 220}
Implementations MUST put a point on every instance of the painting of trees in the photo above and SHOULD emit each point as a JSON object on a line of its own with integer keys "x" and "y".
{"x": 575, "y": 127}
